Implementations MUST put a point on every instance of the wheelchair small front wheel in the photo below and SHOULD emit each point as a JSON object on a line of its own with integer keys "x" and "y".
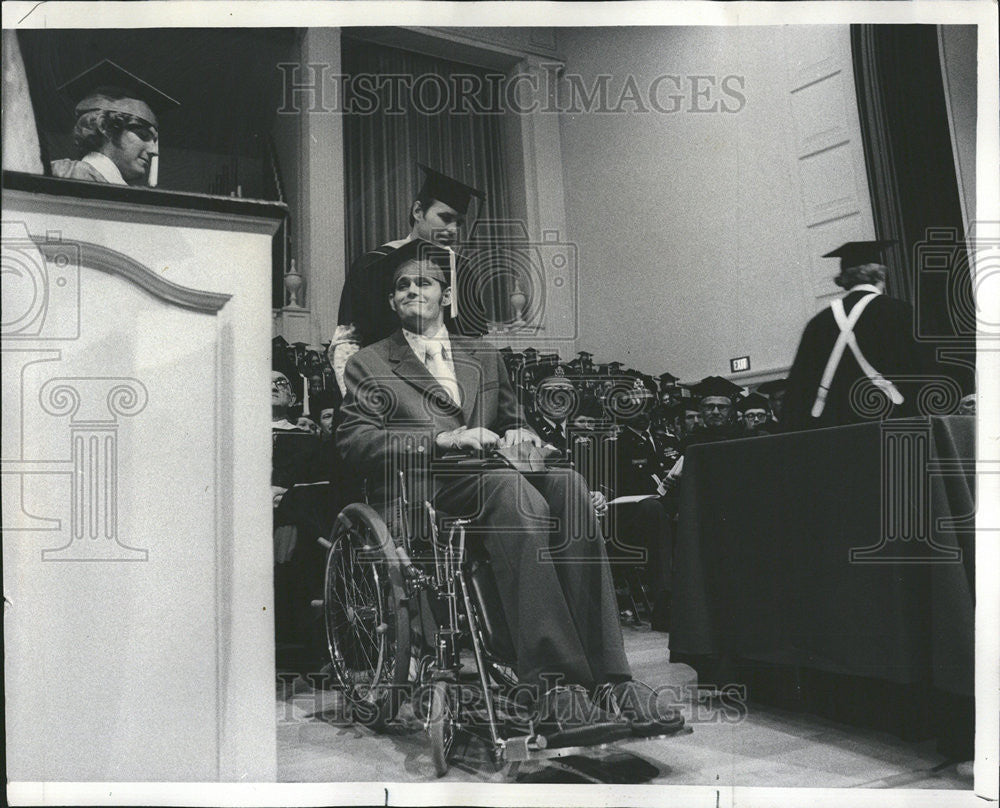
{"x": 441, "y": 725}
{"x": 367, "y": 622}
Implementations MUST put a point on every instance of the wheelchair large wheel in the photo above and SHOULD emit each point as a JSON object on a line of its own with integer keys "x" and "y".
{"x": 441, "y": 720}
{"x": 367, "y": 622}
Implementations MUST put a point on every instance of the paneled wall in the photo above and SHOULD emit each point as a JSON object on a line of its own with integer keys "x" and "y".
{"x": 699, "y": 230}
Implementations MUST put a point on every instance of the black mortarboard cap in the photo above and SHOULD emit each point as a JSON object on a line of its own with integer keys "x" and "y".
{"x": 413, "y": 250}
{"x": 773, "y": 386}
{"x": 715, "y": 386}
{"x": 856, "y": 253}
{"x": 94, "y": 89}
{"x": 753, "y": 401}
{"x": 446, "y": 189}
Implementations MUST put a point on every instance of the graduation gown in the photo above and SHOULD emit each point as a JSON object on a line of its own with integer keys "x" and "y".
{"x": 364, "y": 300}
{"x": 884, "y": 334}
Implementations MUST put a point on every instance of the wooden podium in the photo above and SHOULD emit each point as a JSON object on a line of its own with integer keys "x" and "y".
{"x": 137, "y": 541}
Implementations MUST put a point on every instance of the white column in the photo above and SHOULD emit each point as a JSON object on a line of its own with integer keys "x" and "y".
{"x": 321, "y": 188}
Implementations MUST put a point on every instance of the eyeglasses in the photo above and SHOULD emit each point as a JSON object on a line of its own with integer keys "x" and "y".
{"x": 281, "y": 384}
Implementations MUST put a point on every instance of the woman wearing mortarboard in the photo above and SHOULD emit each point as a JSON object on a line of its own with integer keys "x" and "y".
{"x": 855, "y": 354}
{"x": 116, "y": 135}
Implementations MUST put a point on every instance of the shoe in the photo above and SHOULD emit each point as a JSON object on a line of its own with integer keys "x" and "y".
{"x": 568, "y": 717}
{"x": 645, "y": 710}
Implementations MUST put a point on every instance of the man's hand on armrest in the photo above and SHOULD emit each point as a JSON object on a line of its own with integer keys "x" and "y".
{"x": 465, "y": 439}
{"x": 512, "y": 437}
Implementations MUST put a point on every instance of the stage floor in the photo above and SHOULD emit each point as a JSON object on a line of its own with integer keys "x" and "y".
{"x": 767, "y": 747}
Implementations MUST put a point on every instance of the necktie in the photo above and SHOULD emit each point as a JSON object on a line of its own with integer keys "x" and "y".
{"x": 441, "y": 371}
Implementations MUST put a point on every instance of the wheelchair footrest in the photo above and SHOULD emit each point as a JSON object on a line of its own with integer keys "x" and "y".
{"x": 518, "y": 749}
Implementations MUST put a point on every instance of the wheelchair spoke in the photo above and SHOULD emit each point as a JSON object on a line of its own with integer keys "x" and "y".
{"x": 363, "y": 613}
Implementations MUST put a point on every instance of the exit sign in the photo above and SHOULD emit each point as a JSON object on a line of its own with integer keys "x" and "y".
{"x": 739, "y": 364}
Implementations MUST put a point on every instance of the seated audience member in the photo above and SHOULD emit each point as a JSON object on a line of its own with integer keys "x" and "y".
{"x": 669, "y": 392}
{"x": 644, "y": 523}
{"x": 116, "y": 136}
{"x": 967, "y": 406}
{"x": 774, "y": 391}
{"x": 686, "y": 416}
{"x": 754, "y": 414}
{"x": 716, "y": 399}
{"x": 555, "y": 401}
{"x": 292, "y": 446}
{"x": 665, "y": 440}
{"x": 287, "y": 460}
{"x": 716, "y": 406}
{"x": 424, "y": 392}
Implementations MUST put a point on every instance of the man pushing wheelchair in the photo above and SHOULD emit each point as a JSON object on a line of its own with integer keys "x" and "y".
{"x": 422, "y": 395}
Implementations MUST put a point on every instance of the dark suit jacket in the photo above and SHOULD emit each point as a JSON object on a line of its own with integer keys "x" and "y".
{"x": 395, "y": 408}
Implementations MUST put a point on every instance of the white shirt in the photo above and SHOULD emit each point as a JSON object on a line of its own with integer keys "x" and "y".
{"x": 105, "y": 167}
{"x": 418, "y": 344}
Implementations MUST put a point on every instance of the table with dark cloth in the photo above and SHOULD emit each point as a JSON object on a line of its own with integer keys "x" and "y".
{"x": 774, "y": 586}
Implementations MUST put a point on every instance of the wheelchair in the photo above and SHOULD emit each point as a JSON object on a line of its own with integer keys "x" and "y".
{"x": 404, "y": 600}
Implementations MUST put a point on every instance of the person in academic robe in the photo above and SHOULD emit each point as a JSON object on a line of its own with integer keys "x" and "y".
{"x": 754, "y": 414}
{"x": 117, "y": 132}
{"x": 436, "y": 215}
{"x": 291, "y": 446}
{"x": 423, "y": 393}
{"x": 858, "y": 359}
{"x": 684, "y": 416}
{"x": 716, "y": 399}
{"x": 774, "y": 391}
{"x": 640, "y": 519}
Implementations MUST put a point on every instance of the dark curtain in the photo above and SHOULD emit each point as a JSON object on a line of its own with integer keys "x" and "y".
{"x": 382, "y": 149}
{"x": 914, "y": 191}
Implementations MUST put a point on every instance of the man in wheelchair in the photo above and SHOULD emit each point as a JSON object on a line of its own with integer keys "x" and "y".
{"x": 423, "y": 395}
